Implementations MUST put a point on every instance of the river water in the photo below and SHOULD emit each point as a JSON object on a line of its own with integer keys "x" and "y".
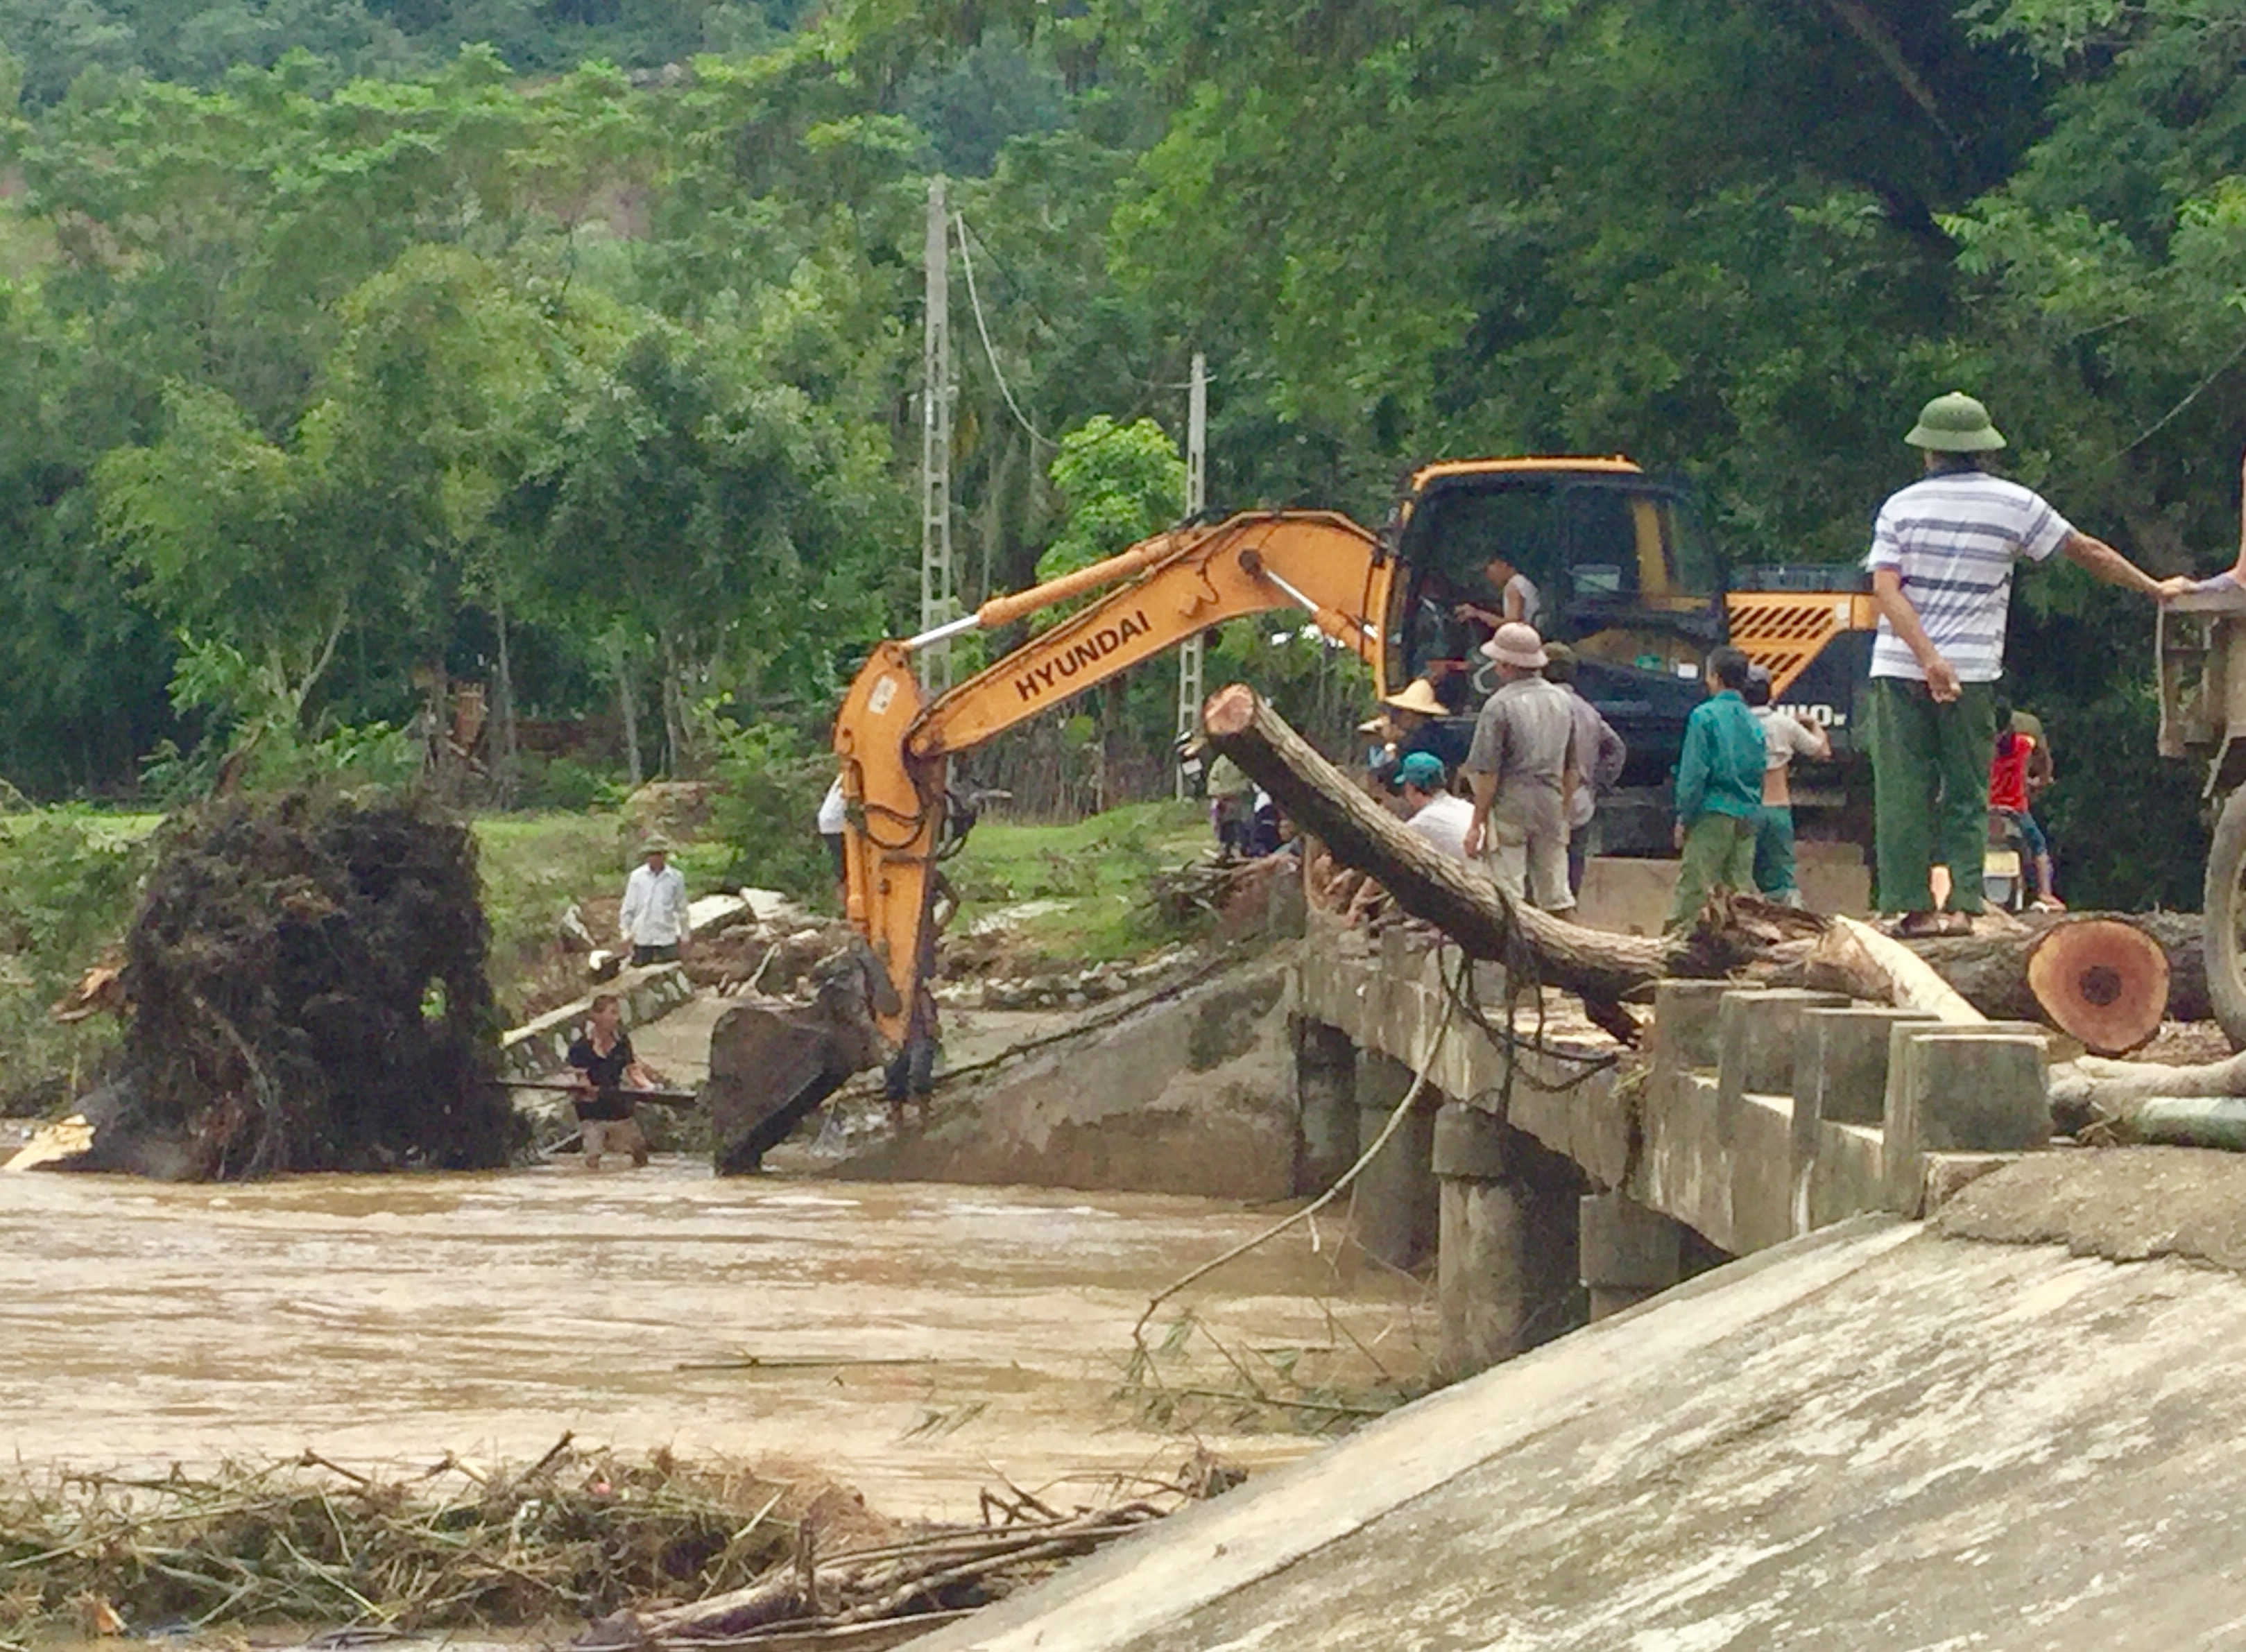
{"x": 396, "y": 1318}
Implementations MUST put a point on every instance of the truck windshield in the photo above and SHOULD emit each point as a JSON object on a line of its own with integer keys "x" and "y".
{"x": 1594, "y": 548}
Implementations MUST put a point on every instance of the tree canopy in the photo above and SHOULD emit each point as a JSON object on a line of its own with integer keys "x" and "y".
{"x": 572, "y": 344}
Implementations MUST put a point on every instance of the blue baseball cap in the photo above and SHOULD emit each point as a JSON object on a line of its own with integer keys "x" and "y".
{"x": 1422, "y": 769}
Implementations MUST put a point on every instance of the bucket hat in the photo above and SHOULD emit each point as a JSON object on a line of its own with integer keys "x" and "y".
{"x": 1418, "y": 695}
{"x": 655, "y": 843}
{"x": 1955, "y": 424}
{"x": 1517, "y": 645}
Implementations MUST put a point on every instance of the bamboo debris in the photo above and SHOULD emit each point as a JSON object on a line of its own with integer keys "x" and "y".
{"x": 942, "y": 1572}
{"x": 312, "y": 1541}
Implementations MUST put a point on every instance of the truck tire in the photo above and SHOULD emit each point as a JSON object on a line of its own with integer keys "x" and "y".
{"x": 2222, "y": 917}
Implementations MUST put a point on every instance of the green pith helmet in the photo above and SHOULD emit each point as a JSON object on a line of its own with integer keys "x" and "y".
{"x": 1955, "y": 424}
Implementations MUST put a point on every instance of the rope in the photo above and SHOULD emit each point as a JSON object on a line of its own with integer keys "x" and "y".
{"x": 1395, "y": 1122}
{"x": 1512, "y": 1043}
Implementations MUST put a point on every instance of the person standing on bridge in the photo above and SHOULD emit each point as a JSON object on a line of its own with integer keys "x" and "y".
{"x": 1718, "y": 789}
{"x": 1784, "y": 738}
{"x": 1941, "y": 563}
{"x": 1602, "y": 752}
{"x": 1524, "y": 769}
{"x": 654, "y": 918}
{"x": 1433, "y": 811}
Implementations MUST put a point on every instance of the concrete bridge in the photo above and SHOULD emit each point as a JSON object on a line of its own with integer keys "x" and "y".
{"x": 1555, "y": 1183}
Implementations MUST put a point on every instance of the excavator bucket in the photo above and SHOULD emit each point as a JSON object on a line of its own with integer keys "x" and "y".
{"x": 770, "y": 1067}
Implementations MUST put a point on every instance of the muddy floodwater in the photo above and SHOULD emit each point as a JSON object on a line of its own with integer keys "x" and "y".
{"x": 398, "y": 1318}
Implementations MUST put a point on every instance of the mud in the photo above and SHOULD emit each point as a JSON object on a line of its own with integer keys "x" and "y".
{"x": 388, "y": 1318}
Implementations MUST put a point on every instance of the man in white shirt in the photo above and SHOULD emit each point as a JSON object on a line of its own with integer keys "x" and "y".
{"x": 1519, "y": 601}
{"x": 1433, "y": 811}
{"x": 1942, "y": 576}
{"x": 834, "y": 820}
{"x": 654, "y": 921}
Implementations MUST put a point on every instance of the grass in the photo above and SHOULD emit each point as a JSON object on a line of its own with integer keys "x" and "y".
{"x": 1095, "y": 872}
{"x": 69, "y": 877}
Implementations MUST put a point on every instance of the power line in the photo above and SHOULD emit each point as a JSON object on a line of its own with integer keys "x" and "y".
{"x": 967, "y": 264}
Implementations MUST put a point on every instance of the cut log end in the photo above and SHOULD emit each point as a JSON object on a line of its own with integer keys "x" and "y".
{"x": 1230, "y": 709}
{"x": 2101, "y": 980}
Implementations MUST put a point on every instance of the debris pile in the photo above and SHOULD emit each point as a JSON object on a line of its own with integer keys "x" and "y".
{"x": 312, "y": 1541}
{"x": 657, "y": 1554}
{"x": 307, "y": 990}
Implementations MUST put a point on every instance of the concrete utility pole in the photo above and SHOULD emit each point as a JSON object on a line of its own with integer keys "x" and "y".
{"x": 938, "y": 602}
{"x": 1189, "y": 657}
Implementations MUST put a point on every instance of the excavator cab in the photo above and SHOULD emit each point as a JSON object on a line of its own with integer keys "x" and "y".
{"x": 1622, "y": 571}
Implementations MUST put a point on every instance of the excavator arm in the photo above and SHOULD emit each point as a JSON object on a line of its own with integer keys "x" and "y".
{"x": 896, "y": 745}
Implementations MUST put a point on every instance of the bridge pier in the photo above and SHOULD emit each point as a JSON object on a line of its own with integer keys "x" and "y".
{"x": 1628, "y": 1252}
{"x": 1325, "y": 1093}
{"x": 1505, "y": 1269}
{"x": 1397, "y": 1211}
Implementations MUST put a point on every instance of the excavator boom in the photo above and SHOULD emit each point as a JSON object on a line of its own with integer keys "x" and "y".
{"x": 894, "y": 745}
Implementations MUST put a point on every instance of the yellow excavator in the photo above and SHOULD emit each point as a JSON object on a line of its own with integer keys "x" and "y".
{"x": 1624, "y": 572}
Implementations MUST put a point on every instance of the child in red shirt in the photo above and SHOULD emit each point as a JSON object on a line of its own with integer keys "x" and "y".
{"x": 2008, "y": 796}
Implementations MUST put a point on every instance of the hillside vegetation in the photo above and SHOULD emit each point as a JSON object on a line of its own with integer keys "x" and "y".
{"x": 570, "y": 347}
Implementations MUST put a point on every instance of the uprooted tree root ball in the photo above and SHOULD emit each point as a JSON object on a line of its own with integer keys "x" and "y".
{"x": 308, "y": 991}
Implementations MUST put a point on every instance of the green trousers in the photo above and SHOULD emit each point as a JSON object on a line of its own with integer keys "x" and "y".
{"x": 1719, "y": 853}
{"x": 1773, "y": 853}
{"x": 1930, "y": 791}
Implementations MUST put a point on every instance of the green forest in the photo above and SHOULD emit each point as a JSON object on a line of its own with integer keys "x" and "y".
{"x": 573, "y": 346}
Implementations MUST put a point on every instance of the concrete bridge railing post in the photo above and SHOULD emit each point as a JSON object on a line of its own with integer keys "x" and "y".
{"x": 1981, "y": 1089}
{"x": 1840, "y": 1079}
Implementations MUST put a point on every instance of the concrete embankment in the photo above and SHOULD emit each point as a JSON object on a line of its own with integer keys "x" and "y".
{"x": 1185, "y": 1092}
{"x": 1975, "y": 1432}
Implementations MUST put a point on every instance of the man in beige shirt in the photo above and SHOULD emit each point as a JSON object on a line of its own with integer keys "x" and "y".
{"x": 1524, "y": 769}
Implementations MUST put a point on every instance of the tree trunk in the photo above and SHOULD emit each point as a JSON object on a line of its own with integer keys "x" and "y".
{"x": 2103, "y": 980}
{"x": 674, "y": 708}
{"x": 2117, "y": 1093}
{"x": 628, "y": 702}
{"x": 1597, "y": 965}
{"x": 1968, "y": 959}
{"x": 1855, "y": 958}
{"x": 504, "y": 769}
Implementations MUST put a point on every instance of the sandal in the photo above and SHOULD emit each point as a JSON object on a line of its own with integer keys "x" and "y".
{"x": 1919, "y": 926}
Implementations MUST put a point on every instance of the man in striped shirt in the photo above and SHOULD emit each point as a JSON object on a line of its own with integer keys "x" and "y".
{"x": 1941, "y": 576}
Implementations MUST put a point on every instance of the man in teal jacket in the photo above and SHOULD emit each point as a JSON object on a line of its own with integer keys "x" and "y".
{"x": 1718, "y": 789}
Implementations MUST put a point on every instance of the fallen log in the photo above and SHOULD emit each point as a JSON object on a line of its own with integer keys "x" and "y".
{"x": 1599, "y": 966}
{"x": 1989, "y": 969}
{"x": 2151, "y": 1102}
{"x": 1856, "y": 959}
{"x": 2104, "y": 981}
{"x": 2171, "y": 1121}
{"x": 2088, "y": 1088}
